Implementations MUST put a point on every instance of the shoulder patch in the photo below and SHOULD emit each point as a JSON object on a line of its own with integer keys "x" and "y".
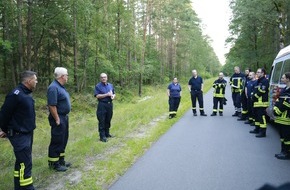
{"x": 16, "y": 92}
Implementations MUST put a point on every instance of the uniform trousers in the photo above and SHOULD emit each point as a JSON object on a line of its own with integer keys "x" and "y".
{"x": 260, "y": 117}
{"x": 104, "y": 115}
{"x": 236, "y": 96}
{"x": 173, "y": 104}
{"x": 22, "y": 146}
{"x": 59, "y": 138}
{"x": 284, "y": 131}
{"x": 216, "y": 101}
{"x": 197, "y": 95}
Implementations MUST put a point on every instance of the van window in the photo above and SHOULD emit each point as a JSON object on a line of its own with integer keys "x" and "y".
{"x": 276, "y": 75}
{"x": 286, "y": 67}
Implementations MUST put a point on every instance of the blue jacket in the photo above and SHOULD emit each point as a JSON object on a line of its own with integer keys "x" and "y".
{"x": 17, "y": 111}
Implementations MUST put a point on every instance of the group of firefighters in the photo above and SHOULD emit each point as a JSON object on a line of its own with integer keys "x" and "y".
{"x": 250, "y": 95}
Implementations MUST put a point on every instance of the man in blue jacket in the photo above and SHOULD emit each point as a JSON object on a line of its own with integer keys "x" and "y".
{"x": 17, "y": 122}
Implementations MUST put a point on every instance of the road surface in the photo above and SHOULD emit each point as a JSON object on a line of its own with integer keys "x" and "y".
{"x": 208, "y": 153}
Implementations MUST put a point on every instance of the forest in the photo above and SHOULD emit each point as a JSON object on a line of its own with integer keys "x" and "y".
{"x": 259, "y": 29}
{"x": 136, "y": 42}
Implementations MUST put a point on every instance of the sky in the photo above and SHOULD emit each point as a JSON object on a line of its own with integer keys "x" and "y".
{"x": 215, "y": 16}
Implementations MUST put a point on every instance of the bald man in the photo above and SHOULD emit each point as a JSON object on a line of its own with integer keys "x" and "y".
{"x": 105, "y": 94}
{"x": 195, "y": 86}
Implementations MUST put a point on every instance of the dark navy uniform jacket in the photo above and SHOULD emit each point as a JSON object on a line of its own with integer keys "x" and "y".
{"x": 17, "y": 112}
{"x": 102, "y": 88}
{"x": 59, "y": 97}
{"x": 195, "y": 83}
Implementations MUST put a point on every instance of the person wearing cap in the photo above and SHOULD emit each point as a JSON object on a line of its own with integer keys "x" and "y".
{"x": 17, "y": 122}
{"x": 59, "y": 105}
{"x": 174, "y": 94}
{"x": 105, "y": 94}
{"x": 195, "y": 87}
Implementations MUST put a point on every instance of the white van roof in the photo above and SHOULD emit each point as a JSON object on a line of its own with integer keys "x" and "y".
{"x": 283, "y": 52}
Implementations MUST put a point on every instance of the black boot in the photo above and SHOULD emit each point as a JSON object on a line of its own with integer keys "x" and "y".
{"x": 213, "y": 114}
{"x": 62, "y": 162}
{"x": 284, "y": 156}
{"x": 255, "y": 131}
{"x": 56, "y": 166}
{"x": 283, "y": 150}
{"x": 262, "y": 133}
{"x": 236, "y": 114}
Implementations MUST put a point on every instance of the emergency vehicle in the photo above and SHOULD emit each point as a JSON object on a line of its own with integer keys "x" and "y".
{"x": 280, "y": 66}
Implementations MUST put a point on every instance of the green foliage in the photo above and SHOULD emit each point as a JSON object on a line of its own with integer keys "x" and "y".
{"x": 90, "y": 37}
{"x": 258, "y": 28}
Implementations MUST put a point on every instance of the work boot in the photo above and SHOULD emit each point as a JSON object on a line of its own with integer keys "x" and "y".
{"x": 242, "y": 118}
{"x": 213, "y": 114}
{"x": 283, "y": 156}
{"x": 64, "y": 163}
{"x": 195, "y": 114}
{"x": 221, "y": 114}
{"x": 248, "y": 122}
{"x": 255, "y": 131}
{"x": 56, "y": 166}
{"x": 236, "y": 114}
{"x": 203, "y": 114}
{"x": 261, "y": 134}
{"x": 170, "y": 116}
{"x": 283, "y": 149}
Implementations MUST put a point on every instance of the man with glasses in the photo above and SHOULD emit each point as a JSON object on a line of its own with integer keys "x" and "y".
{"x": 58, "y": 101}
{"x": 105, "y": 94}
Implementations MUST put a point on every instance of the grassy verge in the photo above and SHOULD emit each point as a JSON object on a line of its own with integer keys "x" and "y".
{"x": 96, "y": 165}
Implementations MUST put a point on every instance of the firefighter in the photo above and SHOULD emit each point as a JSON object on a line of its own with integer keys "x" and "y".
{"x": 174, "y": 94}
{"x": 195, "y": 87}
{"x": 282, "y": 120}
{"x": 260, "y": 100}
{"x": 219, "y": 94}
{"x": 245, "y": 110}
{"x": 105, "y": 94}
{"x": 17, "y": 121}
{"x": 237, "y": 83}
{"x": 248, "y": 91}
{"x": 58, "y": 101}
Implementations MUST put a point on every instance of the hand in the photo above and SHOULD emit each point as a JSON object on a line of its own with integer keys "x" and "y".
{"x": 110, "y": 93}
{"x": 57, "y": 122}
{"x": 2, "y": 134}
{"x": 113, "y": 96}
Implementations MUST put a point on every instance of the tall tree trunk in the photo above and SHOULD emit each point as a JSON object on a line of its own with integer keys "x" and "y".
{"x": 146, "y": 16}
{"x": 282, "y": 21}
{"x": 20, "y": 34}
{"x": 75, "y": 47}
{"x": 29, "y": 34}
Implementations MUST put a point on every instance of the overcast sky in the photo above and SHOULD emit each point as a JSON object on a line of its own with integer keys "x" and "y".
{"x": 215, "y": 16}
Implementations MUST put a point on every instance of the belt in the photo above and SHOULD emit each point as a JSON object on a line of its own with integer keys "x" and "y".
{"x": 105, "y": 102}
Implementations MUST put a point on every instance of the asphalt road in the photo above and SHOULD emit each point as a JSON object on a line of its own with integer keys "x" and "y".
{"x": 208, "y": 153}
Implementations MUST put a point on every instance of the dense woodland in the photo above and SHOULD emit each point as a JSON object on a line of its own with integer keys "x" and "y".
{"x": 259, "y": 29}
{"x": 137, "y": 42}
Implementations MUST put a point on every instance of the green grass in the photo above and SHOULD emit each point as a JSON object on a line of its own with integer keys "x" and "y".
{"x": 137, "y": 124}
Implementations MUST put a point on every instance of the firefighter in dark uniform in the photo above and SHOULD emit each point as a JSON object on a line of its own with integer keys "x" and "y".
{"x": 244, "y": 97}
{"x": 105, "y": 94}
{"x": 17, "y": 121}
{"x": 174, "y": 94}
{"x": 219, "y": 94}
{"x": 260, "y": 99}
{"x": 282, "y": 120}
{"x": 237, "y": 84}
{"x": 249, "y": 90}
{"x": 195, "y": 86}
{"x": 58, "y": 101}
